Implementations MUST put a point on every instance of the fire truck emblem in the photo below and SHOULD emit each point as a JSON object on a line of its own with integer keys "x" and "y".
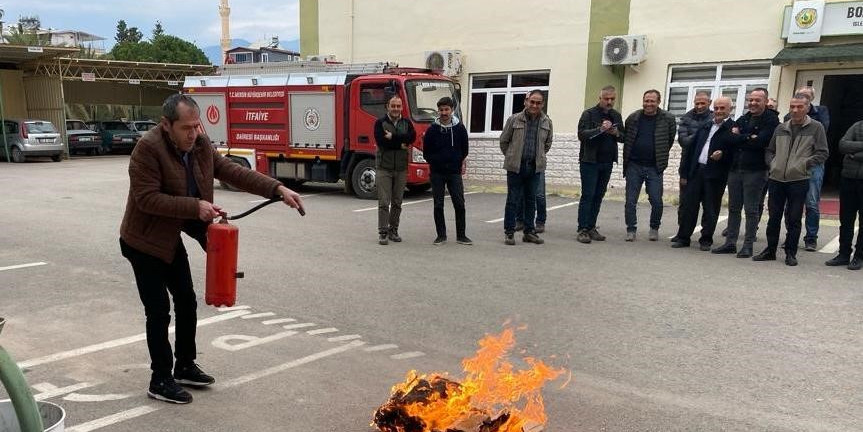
{"x": 213, "y": 114}
{"x": 312, "y": 120}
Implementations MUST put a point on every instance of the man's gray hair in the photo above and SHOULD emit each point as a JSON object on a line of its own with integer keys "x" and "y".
{"x": 169, "y": 107}
{"x": 803, "y": 96}
{"x": 608, "y": 89}
{"x": 704, "y": 93}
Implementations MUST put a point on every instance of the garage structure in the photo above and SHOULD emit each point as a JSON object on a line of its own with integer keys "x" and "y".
{"x": 46, "y": 83}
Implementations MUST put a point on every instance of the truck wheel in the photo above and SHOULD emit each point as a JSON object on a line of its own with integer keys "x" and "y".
{"x": 17, "y": 155}
{"x": 363, "y": 179}
{"x": 237, "y": 160}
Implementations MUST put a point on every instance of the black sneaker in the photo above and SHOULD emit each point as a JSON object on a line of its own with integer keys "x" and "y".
{"x": 382, "y": 239}
{"x": 192, "y": 375}
{"x": 838, "y": 260}
{"x": 439, "y": 240}
{"x": 810, "y": 245}
{"x": 166, "y": 389}
{"x": 394, "y": 235}
{"x": 508, "y": 239}
{"x": 464, "y": 240}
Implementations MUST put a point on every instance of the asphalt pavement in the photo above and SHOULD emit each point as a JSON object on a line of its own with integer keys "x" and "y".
{"x": 327, "y": 320}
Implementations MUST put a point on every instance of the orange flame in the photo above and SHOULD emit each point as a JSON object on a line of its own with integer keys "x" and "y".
{"x": 491, "y": 386}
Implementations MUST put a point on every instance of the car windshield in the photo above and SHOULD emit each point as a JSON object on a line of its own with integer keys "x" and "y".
{"x": 115, "y": 125}
{"x": 76, "y": 125}
{"x": 40, "y": 127}
{"x": 144, "y": 126}
{"x": 423, "y": 96}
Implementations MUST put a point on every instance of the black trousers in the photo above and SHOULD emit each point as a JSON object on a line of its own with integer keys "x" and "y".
{"x": 788, "y": 199}
{"x": 850, "y": 209}
{"x": 156, "y": 279}
{"x": 704, "y": 192}
{"x": 452, "y": 182}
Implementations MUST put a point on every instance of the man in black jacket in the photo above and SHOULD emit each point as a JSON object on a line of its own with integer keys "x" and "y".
{"x": 599, "y": 130}
{"x": 704, "y": 170}
{"x": 850, "y": 199}
{"x": 445, "y": 147}
{"x": 393, "y": 135}
{"x": 748, "y": 171}
{"x": 690, "y": 123}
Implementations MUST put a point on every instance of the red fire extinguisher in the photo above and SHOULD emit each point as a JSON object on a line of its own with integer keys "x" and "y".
{"x": 222, "y": 242}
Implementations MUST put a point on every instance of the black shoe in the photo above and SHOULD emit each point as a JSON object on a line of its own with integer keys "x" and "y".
{"x": 680, "y": 244}
{"x": 508, "y": 239}
{"x": 394, "y": 236}
{"x": 704, "y": 247}
{"x": 855, "y": 263}
{"x": 727, "y": 248}
{"x": 745, "y": 252}
{"x": 810, "y": 245}
{"x": 439, "y": 240}
{"x": 765, "y": 255}
{"x": 790, "y": 260}
{"x": 166, "y": 389}
{"x": 675, "y": 239}
{"x": 532, "y": 238}
{"x": 519, "y": 225}
{"x": 382, "y": 239}
{"x": 192, "y": 375}
{"x": 838, "y": 260}
{"x": 540, "y": 228}
{"x": 463, "y": 240}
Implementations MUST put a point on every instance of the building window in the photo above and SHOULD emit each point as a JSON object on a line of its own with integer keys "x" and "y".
{"x": 245, "y": 57}
{"x": 494, "y": 97}
{"x": 733, "y": 80}
{"x": 265, "y": 57}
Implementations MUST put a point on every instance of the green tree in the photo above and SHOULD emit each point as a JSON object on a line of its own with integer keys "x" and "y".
{"x": 127, "y": 34}
{"x": 133, "y": 51}
{"x": 171, "y": 49}
{"x": 158, "y": 30}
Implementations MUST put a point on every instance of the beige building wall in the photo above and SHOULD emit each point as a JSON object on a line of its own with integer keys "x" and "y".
{"x": 493, "y": 35}
{"x": 701, "y": 31}
{"x": 15, "y": 103}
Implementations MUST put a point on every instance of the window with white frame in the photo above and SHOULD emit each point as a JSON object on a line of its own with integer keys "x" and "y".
{"x": 242, "y": 57}
{"x": 494, "y": 97}
{"x": 265, "y": 57}
{"x": 734, "y": 80}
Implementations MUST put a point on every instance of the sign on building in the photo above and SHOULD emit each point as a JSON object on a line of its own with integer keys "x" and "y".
{"x": 807, "y": 18}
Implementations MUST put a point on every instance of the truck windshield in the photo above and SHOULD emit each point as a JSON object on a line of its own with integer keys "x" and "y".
{"x": 423, "y": 96}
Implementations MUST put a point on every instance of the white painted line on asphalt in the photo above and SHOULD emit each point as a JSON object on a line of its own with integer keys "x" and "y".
{"x": 344, "y": 338}
{"x": 298, "y": 326}
{"x": 278, "y": 321}
{"x": 225, "y": 342}
{"x": 113, "y": 419}
{"x": 407, "y": 355}
{"x": 118, "y": 342}
{"x": 233, "y": 308}
{"x": 383, "y": 347}
{"x": 20, "y": 266}
{"x": 322, "y": 331}
{"x": 48, "y": 390}
{"x": 833, "y": 246}
{"x": 78, "y": 397}
{"x": 285, "y": 366}
{"x": 569, "y": 204}
{"x": 409, "y": 202}
{"x": 301, "y": 196}
{"x": 719, "y": 220}
{"x": 259, "y": 315}
{"x": 146, "y": 409}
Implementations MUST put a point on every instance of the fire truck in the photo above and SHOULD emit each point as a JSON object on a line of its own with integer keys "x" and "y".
{"x": 314, "y": 121}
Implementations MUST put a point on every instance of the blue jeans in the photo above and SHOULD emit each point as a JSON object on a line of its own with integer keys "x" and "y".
{"x": 813, "y": 198}
{"x": 521, "y": 188}
{"x": 594, "y": 183}
{"x": 541, "y": 211}
{"x": 651, "y": 178}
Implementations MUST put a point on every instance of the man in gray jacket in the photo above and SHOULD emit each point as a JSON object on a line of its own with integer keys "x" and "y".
{"x": 525, "y": 140}
{"x": 797, "y": 146}
{"x": 850, "y": 198}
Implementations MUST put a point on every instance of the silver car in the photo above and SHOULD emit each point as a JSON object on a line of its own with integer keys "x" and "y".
{"x": 26, "y": 138}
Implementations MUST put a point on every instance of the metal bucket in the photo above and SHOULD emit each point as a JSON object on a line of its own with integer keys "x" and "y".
{"x": 53, "y": 417}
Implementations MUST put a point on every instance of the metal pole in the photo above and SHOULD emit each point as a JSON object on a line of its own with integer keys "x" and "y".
{"x": 3, "y": 123}
{"x": 13, "y": 380}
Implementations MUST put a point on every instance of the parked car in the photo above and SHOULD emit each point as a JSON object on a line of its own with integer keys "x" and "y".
{"x": 116, "y": 135}
{"x": 142, "y": 126}
{"x": 26, "y": 138}
{"x": 80, "y": 139}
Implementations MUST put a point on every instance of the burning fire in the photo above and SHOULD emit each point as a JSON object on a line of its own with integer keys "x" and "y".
{"x": 492, "y": 397}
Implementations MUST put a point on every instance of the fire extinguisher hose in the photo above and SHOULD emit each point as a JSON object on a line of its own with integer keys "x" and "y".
{"x": 260, "y": 206}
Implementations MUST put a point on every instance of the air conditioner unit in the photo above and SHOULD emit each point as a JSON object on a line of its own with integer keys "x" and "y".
{"x": 624, "y": 49}
{"x": 446, "y": 61}
{"x": 322, "y": 58}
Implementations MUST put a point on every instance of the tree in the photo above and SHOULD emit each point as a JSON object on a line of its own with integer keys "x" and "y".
{"x": 158, "y": 30}
{"x": 127, "y": 34}
{"x": 26, "y": 33}
{"x": 171, "y": 49}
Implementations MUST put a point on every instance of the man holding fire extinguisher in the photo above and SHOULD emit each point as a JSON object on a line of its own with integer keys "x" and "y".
{"x": 171, "y": 174}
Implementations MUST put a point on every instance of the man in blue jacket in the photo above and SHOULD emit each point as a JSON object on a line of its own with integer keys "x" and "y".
{"x": 445, "y": 147}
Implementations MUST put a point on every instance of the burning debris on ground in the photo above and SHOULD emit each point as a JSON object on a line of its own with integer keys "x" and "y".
{"x": 492, "y": 397}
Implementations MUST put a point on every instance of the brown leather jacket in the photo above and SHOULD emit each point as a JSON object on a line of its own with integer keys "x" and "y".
{"x": 158, "y": 207}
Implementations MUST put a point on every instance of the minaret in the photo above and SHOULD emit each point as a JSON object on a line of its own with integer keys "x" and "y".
{"x": 225, "y": 12}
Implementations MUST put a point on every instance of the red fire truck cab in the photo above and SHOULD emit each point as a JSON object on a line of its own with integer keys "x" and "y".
{"x": 300, "y": 126}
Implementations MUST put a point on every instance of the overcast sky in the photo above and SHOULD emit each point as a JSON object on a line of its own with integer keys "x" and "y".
{"x": 194, "y": 20}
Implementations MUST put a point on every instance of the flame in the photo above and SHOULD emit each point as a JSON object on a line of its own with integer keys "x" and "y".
{"x": 491, "y": 386}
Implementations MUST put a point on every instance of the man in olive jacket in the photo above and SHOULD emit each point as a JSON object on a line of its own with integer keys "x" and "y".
{"x": 171, "y": 174}
{"x": 850, "y": 199}
{"x": 797, "y": 146}
{"x": 393, "y": 135}
{"x": 648, "y": 136}
{"x": 525, "y": 140}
